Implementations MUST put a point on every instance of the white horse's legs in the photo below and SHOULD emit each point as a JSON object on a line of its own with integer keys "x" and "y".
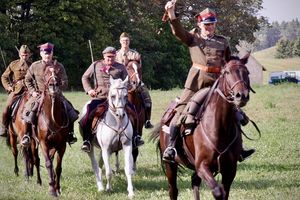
{"x": 97, "y": 170}
{"x": 128, "y": 168}
{"x": 117, "y": 163}
{"x": 108, "y": 170}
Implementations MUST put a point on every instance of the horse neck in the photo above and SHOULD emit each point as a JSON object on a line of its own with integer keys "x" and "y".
{"x": 53, "y": 107}
{"x": 222, "y": 110}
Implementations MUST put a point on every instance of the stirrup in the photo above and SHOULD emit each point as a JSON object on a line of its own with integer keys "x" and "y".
{"x": 25, "y": 141}
{"x": 148, "y": 124}
{"x": 137, "y": 142}
{"x": 167, "y": 157}
{"x": 86, "y": 146}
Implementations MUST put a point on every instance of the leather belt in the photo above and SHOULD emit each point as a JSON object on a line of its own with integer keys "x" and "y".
{"x": 210, "y": 69}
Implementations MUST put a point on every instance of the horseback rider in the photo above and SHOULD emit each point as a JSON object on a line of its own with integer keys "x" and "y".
{"x": 95, "y": 81}
{"x": 34, "y": 81}
{"x": 13, "y": 82}
{"x": 209, "y": 53}
{"x": 124, "y": 55}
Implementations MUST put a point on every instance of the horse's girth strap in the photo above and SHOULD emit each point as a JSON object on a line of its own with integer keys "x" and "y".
{"x": 208, "y": 69}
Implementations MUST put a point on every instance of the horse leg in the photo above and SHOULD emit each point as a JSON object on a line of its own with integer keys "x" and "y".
{"x": 97, "y": 169}
{"x": 227, "y": 179}
{"x": 108, "y": 170}
{"x": 36, "y": 161}
{"x": 128, "y": 168}
{"x": 14, "y": 149}
{"x": 205, "y": 173}
{"x": 58, "y": 168}
{"x": 26, "y": 158}
{"x": 196, "y": 181}
{"x": 117, "y": 163}
{"x": 135, "y": 153}
{"x": 171, "y": 172}
{"x": 49, "y": 166}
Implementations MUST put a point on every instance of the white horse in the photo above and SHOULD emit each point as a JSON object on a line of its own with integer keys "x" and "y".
{"x": 114, "y": 132}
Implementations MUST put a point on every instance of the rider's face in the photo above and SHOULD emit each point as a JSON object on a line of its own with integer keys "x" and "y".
{"x": 109, "y": 59}
{"x": 46, "y": 56}
{"x": 207, "y": 30}
{"x": 124, "y": 41}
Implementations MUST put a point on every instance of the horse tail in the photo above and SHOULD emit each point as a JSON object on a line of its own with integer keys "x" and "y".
{"x": 154, "y": 134}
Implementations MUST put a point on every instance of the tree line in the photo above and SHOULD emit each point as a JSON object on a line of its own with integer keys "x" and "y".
{"x": 70, "y": 24}
{"x": 271, "y": 34}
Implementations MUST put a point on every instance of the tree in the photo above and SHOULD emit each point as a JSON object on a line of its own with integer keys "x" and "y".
{"x": 296, "y": 47}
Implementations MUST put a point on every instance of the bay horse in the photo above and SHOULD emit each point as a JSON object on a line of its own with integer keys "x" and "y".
{"x": 216, "y": 144}
{"x": 52, "y": 128}
{"x": 17, "y": 129}
{"x": 134, "y": 98}
{"x": 114, "y": 132}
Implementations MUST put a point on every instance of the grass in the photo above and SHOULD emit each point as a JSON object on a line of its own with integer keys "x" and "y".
{"x": 272, "y": 173}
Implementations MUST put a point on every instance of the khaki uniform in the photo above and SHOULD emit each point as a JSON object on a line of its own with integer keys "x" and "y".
{"x": 13, "y": 77}
{"x": 124, "y": 57}
{"x": 35, "y": 82}
{"x": 98, "y": 74}
{"x": 211, "y": 53}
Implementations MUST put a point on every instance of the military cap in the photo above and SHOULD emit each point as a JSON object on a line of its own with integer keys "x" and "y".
{"x": 109, "y": 50}
{"x": 24, "y": 49}
{"x": 124, "y": 34}
{"x": 48, "y": 47}
{"x": 207, "y": 16}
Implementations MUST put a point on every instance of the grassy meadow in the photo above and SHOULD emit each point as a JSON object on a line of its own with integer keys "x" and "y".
{"x": 272, "y": 173}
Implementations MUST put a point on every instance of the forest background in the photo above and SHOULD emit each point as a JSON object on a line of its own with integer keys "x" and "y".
{"x": 70, "y": 24}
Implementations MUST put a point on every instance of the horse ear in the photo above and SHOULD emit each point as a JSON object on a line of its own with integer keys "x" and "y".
{"x": 245, "y": 58}
{"x": 126, "y": 80}
{"x": 111, "y": 79}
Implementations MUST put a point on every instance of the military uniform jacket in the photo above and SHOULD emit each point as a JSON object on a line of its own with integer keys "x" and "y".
{"x": 123, "y": 57}
{"x": 97, "y": 76}
{"x": 212, "y": 52}
{"x": 34, "y": 78}
{"x": 14, "y": 75}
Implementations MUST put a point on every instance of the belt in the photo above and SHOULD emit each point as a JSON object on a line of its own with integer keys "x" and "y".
{"x": 210, "y": 69}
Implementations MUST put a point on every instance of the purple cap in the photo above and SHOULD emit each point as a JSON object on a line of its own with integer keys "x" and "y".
{"x": 48, "y": 47}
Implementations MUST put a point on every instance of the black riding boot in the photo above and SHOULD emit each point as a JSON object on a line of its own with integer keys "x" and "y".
{"x": 137, "y": 140}
{"x": 170, "y": 151}
{"x": 71, "y": 137}
{"x": 246, "y": 154}
{"x": 86, "y": 136}
{"x": 148, "y": 123}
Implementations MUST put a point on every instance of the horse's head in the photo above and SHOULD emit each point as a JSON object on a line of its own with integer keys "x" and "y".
{"x": 52, "y": 82}
{"x": 117, "y": 96}
{"x": 134, "y": 72}
{"x": 236, "y": 86}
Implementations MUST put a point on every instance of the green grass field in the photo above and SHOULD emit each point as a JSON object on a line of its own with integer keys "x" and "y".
{"x": 272, "y": 173}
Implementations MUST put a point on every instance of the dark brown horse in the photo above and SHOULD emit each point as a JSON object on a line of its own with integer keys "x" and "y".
{"x": 134, "y": 97}
{"x": 52, "y": 128}
{"x": 17, "y": 129}
{"x": 216, "y": 143}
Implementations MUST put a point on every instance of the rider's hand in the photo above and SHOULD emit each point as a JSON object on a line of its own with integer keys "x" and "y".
{"x": 34, "y": 94}
{"x": 92, "y": 93}
{"x": 170, "y": 8}
{"x": 10, "y": 89}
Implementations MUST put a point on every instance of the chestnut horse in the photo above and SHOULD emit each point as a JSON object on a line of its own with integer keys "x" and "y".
{"x": 215, "y": 145}
{"x": 17, "y": 129}
{"x": 52, "y": 128}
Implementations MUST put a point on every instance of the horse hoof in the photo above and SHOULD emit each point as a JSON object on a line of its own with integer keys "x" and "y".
{"x": 130, "y": 195}
{"x": 218, "y": 193}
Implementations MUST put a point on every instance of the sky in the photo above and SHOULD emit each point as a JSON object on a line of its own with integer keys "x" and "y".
{"x": 281, "y": 10}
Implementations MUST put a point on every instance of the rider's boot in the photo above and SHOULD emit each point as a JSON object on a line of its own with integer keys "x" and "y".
{"x": 25, "y": 141}
{"x": 170, "y": 152}
{"x": 242, "y": 117}
{"x": 246, "y": 154}
{"x": 4, "y": 125}
{"x": 3, "y": 130}
{"x": 71, "y": 137}
{"x": 148, "y": 123}
{"x": 137, "y": 140}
